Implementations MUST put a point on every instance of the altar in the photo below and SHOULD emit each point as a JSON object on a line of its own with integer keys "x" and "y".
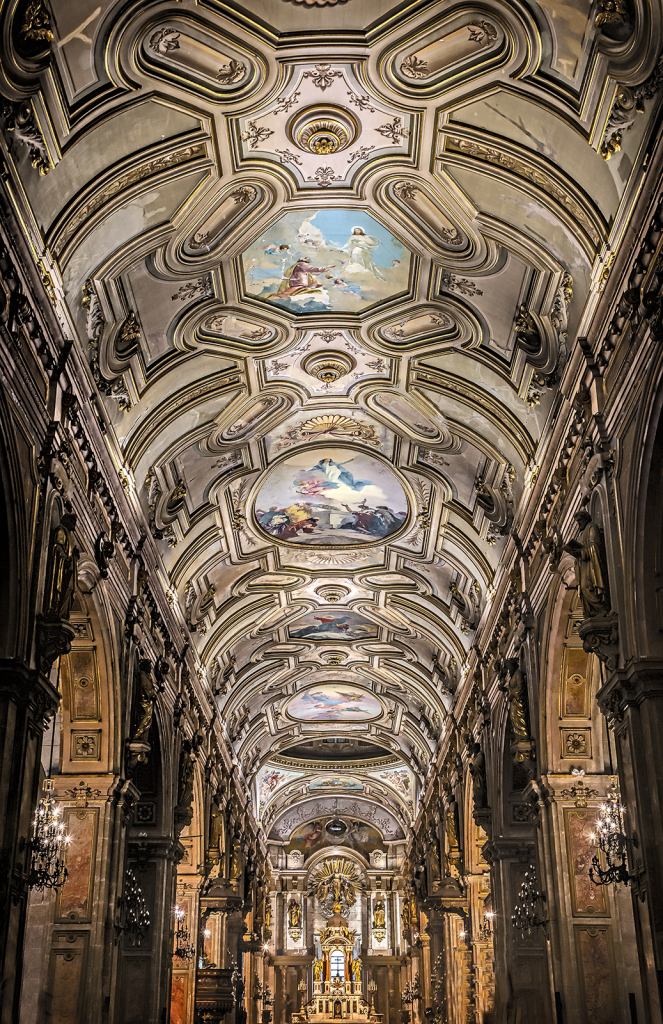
{"x": 337, "y": 981}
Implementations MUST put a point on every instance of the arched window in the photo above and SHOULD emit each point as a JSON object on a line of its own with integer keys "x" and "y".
{"x": 337, "y": 963}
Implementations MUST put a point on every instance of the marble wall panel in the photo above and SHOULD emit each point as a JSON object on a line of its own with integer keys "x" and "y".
{"x": 595, "y": 958}
{"x": 586, "y": 898}
{"x": 75, "y": 900}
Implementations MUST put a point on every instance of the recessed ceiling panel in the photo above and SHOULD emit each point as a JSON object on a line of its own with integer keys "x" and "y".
{"x": 329, "y": 497}
{"x": 334, "y": 702}
{"x": 320, "y": 260}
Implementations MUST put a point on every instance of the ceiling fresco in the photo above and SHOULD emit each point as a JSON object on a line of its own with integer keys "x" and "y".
{"x": 326, "y": 260}
{"x": 327, "y": 263}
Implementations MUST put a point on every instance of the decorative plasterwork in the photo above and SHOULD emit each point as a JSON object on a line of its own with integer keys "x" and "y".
{"x": 290, "y": 130}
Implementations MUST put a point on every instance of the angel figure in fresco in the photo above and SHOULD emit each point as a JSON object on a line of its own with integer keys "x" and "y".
{"x": 360, "y": 246}
{"x": 336, "y": 474}
{"x": 298, "y": 279}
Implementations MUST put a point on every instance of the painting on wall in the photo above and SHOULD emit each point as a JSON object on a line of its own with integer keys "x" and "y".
{"x": 334, "y": 702}
{"x": 333, "y": 782}
{"x": 321, "y": 260}
{"x": 270, "y": 779}
{"x": 331, "y": 496}
{"x": 335, "y": 831}
{"x": 339, "y": 624}
{"x": 400, "y": 779}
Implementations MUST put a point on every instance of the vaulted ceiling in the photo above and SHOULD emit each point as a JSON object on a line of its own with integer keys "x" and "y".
{"x": 328, "y": 261}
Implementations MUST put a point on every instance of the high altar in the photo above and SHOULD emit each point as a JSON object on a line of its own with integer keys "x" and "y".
{"x": 337, "y": 988}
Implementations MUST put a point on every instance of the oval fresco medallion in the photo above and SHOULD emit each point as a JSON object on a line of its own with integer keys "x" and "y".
{"x": 334, "y": 702}
{"x": 330, "y": 497}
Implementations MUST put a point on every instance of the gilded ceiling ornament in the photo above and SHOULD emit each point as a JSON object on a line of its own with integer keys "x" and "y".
{"x": 452, "y": 283}
{"x": 482, "y": 32}
{"x": 21, "y": 121}
{"x": 201, "y": 288}
{"x": 284, "y": 103}
{"x": 394, "y": 131}
{"x": 286, "y": 157}
{"x": 360, "y": 154}
{"x": 325, "y": 176}
{"x": 413, "y": 67}
{"x": 231, "y": 72}
{"x": 611, "y": 12}
{"x": 163, "y": 40}
{"x": 37, "y": 23}
{"x": 323, "y": 76}
{"x": 328, "y": 366}
{"x": 363, "y": 102}
{"x": 253, "y": 134}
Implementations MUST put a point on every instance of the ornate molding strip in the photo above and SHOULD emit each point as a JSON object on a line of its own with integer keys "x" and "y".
{"x": 536, "y": 175}
{"x": 116, "y": 186}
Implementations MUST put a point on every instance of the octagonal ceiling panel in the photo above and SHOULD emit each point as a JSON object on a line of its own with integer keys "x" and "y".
{"x": 324, "y": 260}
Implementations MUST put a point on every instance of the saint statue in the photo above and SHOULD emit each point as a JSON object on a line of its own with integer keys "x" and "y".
{"x": 591, "y": 568}
{"x": 451, "y": 825}
{"x": 317, "y": 969}
{"x": 61, "y": 575}
{"x": 294, "y": 914}
{"x": 146, "y": 698}
{"x": 356, "y": 969}
{"x": 378, "y": 914}
{"x": 479, "y": 782}
{"x": 518, "y": 701}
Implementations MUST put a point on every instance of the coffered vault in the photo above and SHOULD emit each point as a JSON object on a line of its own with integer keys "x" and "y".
{"x": 329, "y": 262}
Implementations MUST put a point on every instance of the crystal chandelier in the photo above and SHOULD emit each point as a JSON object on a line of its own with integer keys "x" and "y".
{"x": 48, "y": 844}
{"x": 526, "y": 911}
{"x": 612, "y": 841}
{"x": 134, "y": 917}
{"x": 183, "y": 948}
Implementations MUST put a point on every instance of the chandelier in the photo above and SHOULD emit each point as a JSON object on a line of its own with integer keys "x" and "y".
{"x": 48, "y": 844}
{"x": 134, "y": 917}
{"x": 526, "y": 911}
{"x": 183, "y": 948}
{"x": 612, "y": 841}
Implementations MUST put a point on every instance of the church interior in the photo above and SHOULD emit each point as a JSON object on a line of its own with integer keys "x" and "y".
{"x": 331, "y": 504}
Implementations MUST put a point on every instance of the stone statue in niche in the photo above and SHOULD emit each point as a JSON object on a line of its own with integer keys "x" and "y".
{"x": 452, "y": 832}
{"x": 145, "y": 705}
{"x": 185, "y": 781}
{"x": 54, "y": 635}
{"x": 62, "y": 571}
{"x": 138, "y": 746}
{"x": 378, "y": 914}
{"x": 522, "y": 747}
{"x": 295, "y": 920}
{"x": 479, "y": 782}
{"x": 588, "y": 550}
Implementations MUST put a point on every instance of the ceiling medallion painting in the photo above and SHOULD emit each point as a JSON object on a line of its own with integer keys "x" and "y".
{"x": 317, "y": 261}
{"x": 334, "y": 702}
{"x": 330, "y": 497}
{"x": 333, "y": 625}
